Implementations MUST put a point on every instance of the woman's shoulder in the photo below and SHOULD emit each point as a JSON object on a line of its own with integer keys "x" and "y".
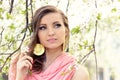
{"x": 81, "y": 73}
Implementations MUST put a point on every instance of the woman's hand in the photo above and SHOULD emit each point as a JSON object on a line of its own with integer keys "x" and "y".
{"x": 24, "y": 64}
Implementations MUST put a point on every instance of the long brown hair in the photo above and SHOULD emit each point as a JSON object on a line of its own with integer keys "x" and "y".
{"x": 35, "y": 22}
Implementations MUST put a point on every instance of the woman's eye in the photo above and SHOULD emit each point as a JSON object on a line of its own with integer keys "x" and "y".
{"x": 42, "y": 28}
{"x": 57, "y": 25}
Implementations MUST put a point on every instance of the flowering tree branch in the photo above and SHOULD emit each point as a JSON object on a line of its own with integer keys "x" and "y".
{"x": 11, "y": 6}
{"x": 10, "y": 54}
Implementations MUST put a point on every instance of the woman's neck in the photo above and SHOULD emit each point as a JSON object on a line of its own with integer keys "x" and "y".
{"x": 51, "y": 55}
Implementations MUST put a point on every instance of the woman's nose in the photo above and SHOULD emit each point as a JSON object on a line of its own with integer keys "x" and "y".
{"x": 51, "y": 32}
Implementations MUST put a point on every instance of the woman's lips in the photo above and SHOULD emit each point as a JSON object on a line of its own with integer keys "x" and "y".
{"x": 52, "y": 40}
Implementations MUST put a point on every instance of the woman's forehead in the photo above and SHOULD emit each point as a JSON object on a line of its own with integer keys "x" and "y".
{"x": 51, "y": 17}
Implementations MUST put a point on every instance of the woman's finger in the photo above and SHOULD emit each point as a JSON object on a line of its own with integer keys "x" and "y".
{"x": 24, "y": 65}
{"x": 28, "y": 64}
{"x": 26, "y": 57}
{"x": 22, "y": 54}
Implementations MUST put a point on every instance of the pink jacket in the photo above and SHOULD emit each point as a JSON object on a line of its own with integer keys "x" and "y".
{"x": 62, "y": 68}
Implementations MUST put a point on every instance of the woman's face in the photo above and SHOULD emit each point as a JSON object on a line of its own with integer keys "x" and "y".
{"x": 52, "y": 31}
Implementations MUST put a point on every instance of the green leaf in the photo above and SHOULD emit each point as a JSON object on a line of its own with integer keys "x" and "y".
{"x": 90, "y": 47}
{"x": 99, "y": 16}
{"x": 12, "y": 39}
{"x": 9, "y": 38}
{"x": 1, "y": 9}
{"x": 23, "y": 12}
{"x": 80, "y": 47}
{"x": 75, "y": 30}
{"x": 116, "y": 30}
{"x": 9, "y": 16}
{"x": 12, "y": 27}
{"x": 0, "y": 2}
{"x": 119, "y": 17}
{"x": 6, "y": 37}
{"x": 114, "y": 10}
{"x": 1, "y": 17}
{"x": 85, "y": 42}
{"x": 84, "y": 1}
{"x": 1, "y": 60}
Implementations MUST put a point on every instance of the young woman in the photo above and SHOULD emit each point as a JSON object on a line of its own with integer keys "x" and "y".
{"x": 51, "y": 33}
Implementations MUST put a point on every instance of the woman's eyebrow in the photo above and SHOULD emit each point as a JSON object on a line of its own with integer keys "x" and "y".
{"x": 56, "y": 22}
{"x": 42, "y": 24}
{"x": 52, "y": 23}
